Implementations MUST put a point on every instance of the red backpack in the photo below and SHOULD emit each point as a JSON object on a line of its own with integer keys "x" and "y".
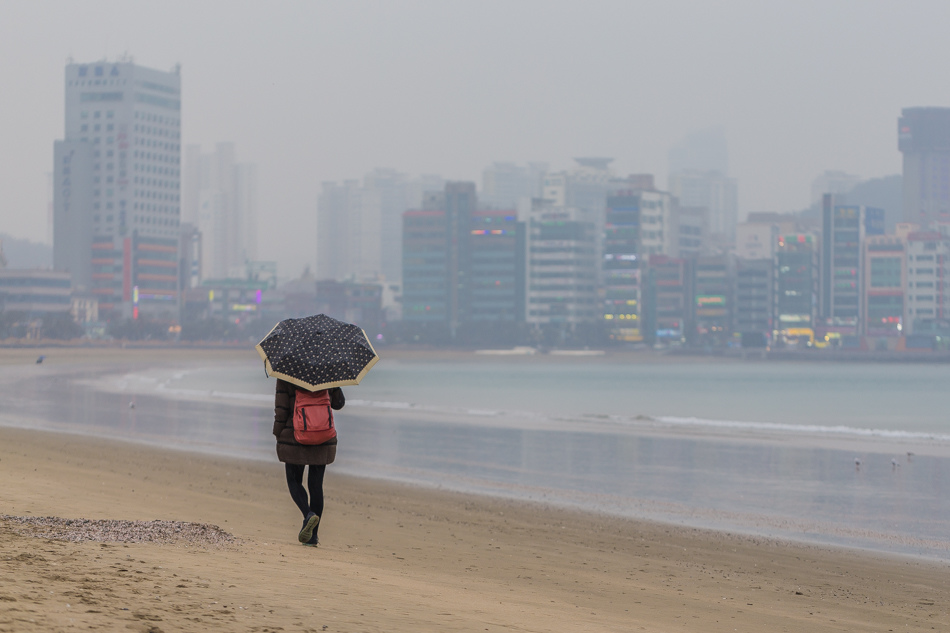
{"x": 313, "y": 417}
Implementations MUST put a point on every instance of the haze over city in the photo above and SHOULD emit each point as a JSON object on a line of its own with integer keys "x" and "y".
{"x": 641, "y": 311}
{"x": 311, "y": 92}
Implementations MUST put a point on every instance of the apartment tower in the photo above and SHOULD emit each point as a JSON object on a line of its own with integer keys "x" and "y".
{"x": 924, "y": 140}
{"x": 116, "y": 199}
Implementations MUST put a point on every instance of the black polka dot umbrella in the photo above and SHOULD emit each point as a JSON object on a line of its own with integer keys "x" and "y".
{"x": 317, "y": 352}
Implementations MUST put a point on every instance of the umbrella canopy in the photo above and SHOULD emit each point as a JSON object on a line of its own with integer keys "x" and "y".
{"x": 317, "y": 352}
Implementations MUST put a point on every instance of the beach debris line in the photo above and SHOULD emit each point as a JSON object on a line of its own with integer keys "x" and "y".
{"x": 118, "y": 531}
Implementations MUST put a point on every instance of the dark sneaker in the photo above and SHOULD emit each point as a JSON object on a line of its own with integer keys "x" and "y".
{"x": 309, "y": 524}
{"x": 313, "y": 542}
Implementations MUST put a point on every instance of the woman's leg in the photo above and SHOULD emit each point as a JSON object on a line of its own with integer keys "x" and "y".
{"x": 315, "y": 485}
{"x": 295, "y": 484}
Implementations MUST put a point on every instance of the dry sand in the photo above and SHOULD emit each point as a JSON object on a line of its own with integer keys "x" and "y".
{"x": 396, "y": 558}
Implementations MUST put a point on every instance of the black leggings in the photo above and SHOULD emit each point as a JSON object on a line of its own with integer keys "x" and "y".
{"x": 314, "y": 484}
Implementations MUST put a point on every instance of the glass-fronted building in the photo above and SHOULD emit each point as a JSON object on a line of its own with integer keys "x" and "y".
{"x": 885, "y": 278}
{"x": 620, "y": 269}
{"x": 424, "y": 262}
{"x": 753, "y": 301}
{"x": 795, "y": 288}
{"x": 496, "y": 274}
{"x": 844, "y": 230}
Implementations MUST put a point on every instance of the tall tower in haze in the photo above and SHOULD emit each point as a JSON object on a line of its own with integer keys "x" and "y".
{"x": 220, "y": 199}
{"x": 924, "y": 140}
{"x": 116, "y": 192}
{"x": 698, "y": 176}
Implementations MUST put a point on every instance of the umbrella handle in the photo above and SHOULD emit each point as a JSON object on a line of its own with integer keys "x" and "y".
{"x": 265, "y": 369}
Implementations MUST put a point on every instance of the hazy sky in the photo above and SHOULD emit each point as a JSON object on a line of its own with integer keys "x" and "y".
{"x": 314, "y": 91}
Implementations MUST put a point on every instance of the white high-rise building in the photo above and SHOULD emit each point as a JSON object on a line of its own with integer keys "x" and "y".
{"x": 116, "y": 191}
{"x": 585, "y": 187}
{"x": 504, "y": 185}
{"x": 713, "y": 191}
{"x": 928, "y": 293}
{"x": 698, "y": 177}
{"x": 701, "y": 150}
{"x": 221, "y": 201}
{"x": 562, "y": 265}
{"x": 658, "y": 230}
{"x": 349, "y": 232}
{"x": 359, "y": 225}
{"x": 392, "y": 190}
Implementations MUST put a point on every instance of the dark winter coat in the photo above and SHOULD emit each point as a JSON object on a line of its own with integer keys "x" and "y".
{"x": 288, "y": 450}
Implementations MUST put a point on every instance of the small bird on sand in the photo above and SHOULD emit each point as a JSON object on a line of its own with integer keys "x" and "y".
{"x": 132, "y": 404}
{"x": 857, "y": 464}
{"x": 894, "y": 464}
{"x": 910, "y": 456}
{"x": 40, "y": 359}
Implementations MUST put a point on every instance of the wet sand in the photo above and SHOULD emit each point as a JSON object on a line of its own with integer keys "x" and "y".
{"x": 397, "y": 558}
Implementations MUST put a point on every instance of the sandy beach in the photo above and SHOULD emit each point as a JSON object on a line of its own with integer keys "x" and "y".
{"x": 397, "y": 558}
{"x": 112, "y": 535}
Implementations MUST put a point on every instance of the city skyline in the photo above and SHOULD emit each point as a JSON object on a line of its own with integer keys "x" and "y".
{"x": 347, "y": 89}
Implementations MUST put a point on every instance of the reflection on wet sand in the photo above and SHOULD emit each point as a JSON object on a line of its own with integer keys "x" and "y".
{"x": 774, "y": 487}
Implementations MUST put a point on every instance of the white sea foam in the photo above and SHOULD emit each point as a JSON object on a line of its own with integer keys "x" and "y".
{"x": 167, "y": 384}
{"x": 893, "y": 507}
{"x": 811, "y": 429}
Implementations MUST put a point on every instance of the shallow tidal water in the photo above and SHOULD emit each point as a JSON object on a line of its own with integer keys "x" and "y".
{"x": 851, "y": 455}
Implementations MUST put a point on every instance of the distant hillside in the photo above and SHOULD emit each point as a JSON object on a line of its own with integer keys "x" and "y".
{"x": 882, "y": 193}
{"x": 26, "y": 254}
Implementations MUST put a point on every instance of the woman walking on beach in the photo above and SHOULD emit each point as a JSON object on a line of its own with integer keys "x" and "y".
{"x": 296, "y": 457}
{"x": 311, "y": 358}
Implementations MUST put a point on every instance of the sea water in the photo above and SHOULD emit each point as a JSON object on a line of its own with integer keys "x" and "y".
{"x": 840, "y": 453}
{"x": 844, "y": 453}
{"x": 884, "y": 398}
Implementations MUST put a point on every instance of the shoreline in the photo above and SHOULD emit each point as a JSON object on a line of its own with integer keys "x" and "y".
{"x": 405, "y": 558}
{"x": 434, "y": 354}
{"x": 854, "y": 438}
{"x": 757, "y": 516}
